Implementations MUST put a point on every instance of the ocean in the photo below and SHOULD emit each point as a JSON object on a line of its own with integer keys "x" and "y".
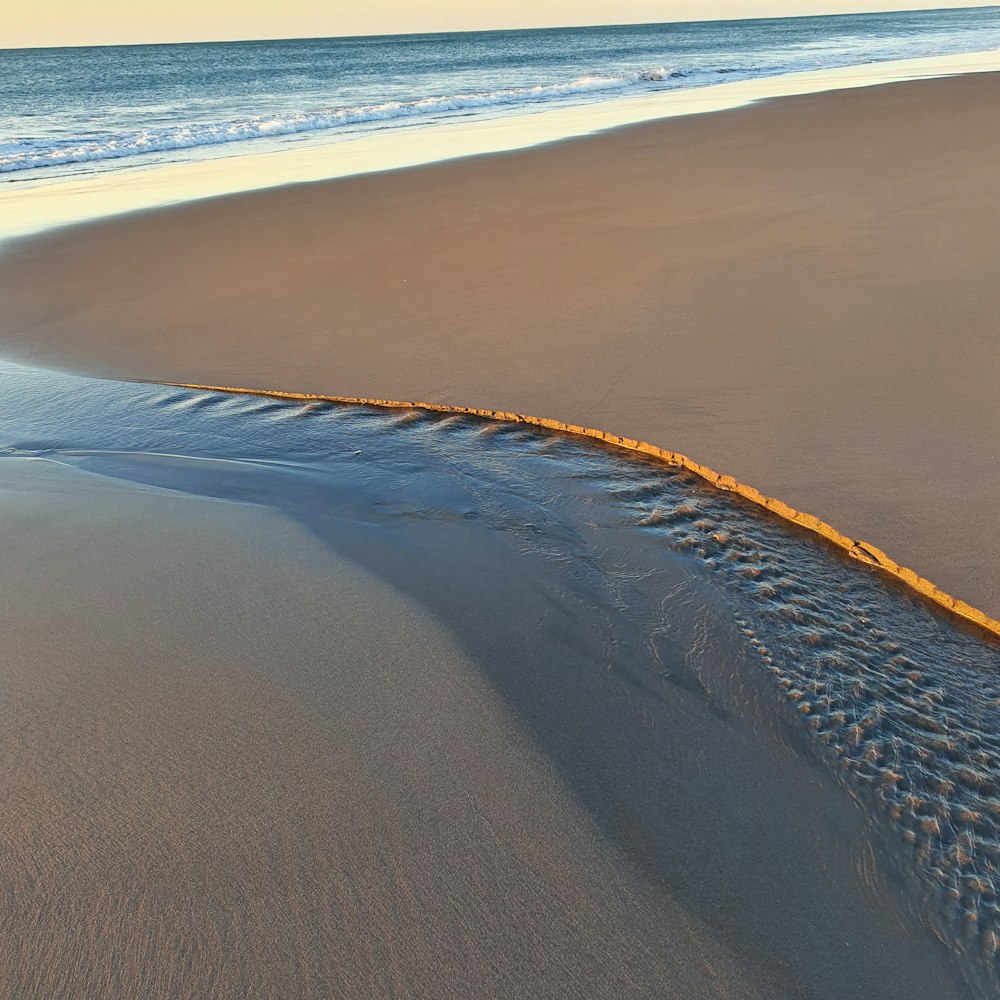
{"x": 69, "y": 111}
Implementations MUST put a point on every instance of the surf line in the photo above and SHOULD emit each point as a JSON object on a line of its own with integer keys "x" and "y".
{"x": 863, "y": 551}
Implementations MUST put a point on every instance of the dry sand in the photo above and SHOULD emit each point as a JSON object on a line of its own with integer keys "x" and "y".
{"x": 238, "y": 765}
{"x": 802, "y": 294}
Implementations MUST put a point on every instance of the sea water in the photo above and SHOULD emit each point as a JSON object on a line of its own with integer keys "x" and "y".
{"x": 69, "y": 111}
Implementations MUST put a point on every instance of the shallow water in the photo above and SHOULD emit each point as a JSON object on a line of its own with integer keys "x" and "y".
{"x": 899, "y": 701}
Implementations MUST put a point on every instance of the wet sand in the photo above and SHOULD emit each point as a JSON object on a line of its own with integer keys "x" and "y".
{"x": 239, "y": 764}
{"x": 801, "y": 294}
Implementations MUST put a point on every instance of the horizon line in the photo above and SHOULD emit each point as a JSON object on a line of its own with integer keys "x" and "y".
{"x": 484, "y": 31}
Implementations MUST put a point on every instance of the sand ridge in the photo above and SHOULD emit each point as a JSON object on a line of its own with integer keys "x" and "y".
{"x": 857, "y": 549}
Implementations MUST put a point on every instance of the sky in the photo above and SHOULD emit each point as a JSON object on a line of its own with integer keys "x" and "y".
{"x": 111, "y": 22}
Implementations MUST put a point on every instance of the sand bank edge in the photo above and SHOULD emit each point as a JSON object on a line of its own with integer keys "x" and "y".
{"x": 857, "y": 549}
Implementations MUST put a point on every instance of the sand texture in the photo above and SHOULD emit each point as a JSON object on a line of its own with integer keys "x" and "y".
{"x": 304, "y": 785}
{"x": 800, "y": 294}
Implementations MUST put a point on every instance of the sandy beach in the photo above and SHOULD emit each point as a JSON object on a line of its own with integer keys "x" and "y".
{"x": 269, "y": 734}
{"x": 801, "y": 294}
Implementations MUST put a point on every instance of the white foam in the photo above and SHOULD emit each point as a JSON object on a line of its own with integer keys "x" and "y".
{"x": 29, "y": 207}
{"x": 32, "y": 154}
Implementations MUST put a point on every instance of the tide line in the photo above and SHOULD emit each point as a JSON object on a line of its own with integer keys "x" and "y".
{"x": 863, "y": 551}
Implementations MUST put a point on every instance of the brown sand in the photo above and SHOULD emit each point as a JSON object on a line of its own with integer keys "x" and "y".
{"x": 802, "y": 294}
{"x": 299, "y": 786}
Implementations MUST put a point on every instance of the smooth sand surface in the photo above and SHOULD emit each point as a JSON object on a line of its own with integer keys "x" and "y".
{"x": 802, "y": 294}
{"x": 236, "y": 764}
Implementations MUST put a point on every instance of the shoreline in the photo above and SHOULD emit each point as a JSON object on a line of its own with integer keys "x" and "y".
{"x": 37, "y": 206}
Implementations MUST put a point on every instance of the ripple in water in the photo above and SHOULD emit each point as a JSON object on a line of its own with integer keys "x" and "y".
{"x": 901, "y": 700}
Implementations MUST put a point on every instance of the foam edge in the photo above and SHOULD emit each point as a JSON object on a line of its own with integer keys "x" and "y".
{"x": 857, "y": 549}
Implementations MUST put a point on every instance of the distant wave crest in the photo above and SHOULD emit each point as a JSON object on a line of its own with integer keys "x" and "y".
{"x": 34, "y": 153}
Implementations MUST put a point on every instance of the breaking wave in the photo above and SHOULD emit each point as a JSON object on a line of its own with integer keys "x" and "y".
{"x": 26, "y": 154}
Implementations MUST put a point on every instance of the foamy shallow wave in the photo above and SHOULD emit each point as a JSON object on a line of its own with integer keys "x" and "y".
{"x": 95, "y": 110}
{"x": 26, "y": 154}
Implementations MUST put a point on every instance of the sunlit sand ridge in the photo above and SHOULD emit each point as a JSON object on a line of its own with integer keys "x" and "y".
{"x": 857, "y": 549}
